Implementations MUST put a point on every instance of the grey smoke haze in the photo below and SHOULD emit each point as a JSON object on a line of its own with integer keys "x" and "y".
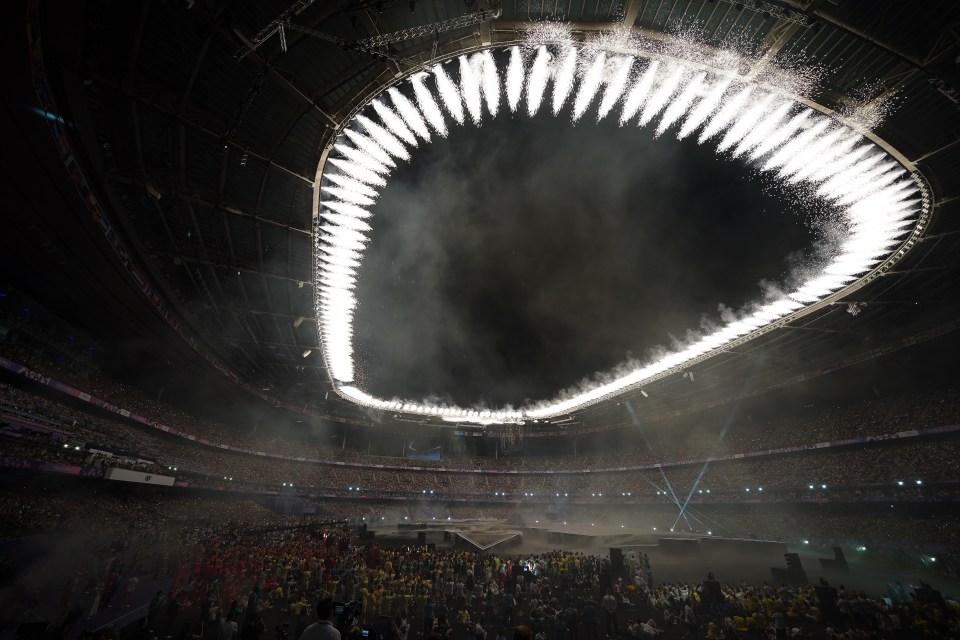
{"x": 510, "y": 261}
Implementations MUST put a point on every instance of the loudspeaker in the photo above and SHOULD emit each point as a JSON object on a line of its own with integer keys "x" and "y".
{"x": 711, "y": 593}
{"x": 828, "y": 602}
{"x": 422, "y": 538}
{"x": 617, "y": 570}
{"x": 795, "y": 571}
{"x": 839, "y": 562}
{"x": 604, "y": 582}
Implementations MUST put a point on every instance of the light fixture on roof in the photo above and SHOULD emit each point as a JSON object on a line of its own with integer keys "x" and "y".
{"x": 307, "y": 352}
{"x": 644, "y": 393}
{"x": 298, "y": 321}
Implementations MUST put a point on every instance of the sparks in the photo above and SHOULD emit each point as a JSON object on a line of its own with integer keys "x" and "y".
{"x": 750, "y": 115}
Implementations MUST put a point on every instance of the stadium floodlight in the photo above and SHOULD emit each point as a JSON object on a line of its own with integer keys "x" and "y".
{"x": 764, "y": 118}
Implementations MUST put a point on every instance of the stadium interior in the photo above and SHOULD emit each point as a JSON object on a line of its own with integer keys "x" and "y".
{"x": 653, "y": 330}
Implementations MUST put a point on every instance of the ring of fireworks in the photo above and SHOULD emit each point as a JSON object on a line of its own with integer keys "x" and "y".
{"x": 756, "y": 115}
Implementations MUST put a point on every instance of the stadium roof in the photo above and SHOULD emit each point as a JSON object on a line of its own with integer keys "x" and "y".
{"x": 206, "y": 164}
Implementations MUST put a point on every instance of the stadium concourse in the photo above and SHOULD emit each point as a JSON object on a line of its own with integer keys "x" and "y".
{"x": 480, "y": 320}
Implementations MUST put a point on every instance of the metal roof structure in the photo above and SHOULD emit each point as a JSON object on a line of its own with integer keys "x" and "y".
{"x": 201, "y": 125}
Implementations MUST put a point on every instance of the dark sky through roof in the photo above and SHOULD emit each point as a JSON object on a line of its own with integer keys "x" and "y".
{"x": 510, "y": 261}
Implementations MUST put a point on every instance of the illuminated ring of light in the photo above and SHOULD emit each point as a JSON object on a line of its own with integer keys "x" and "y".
{"x": 885, "y": 207}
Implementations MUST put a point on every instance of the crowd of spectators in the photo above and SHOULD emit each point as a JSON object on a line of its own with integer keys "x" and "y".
{"x": 223, "y": 561}
{"x": 38, "y": 429}
{"x": 688, "y": 438}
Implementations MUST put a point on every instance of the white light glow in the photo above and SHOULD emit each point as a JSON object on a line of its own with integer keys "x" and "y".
{"x": 589, "y": 86}
{"x": 614, "y": 90}
{"x": 879, "y": 202}
{"x": 515, "y": 78}
{"x": 470, "y": 90}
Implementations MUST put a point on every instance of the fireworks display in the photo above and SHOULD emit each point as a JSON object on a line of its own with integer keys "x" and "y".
{"x": 755, "y": 115}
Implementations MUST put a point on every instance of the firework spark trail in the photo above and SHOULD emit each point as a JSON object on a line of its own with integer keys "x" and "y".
{"x": 763, "y": 129}
{"x": 338, "y": 280}
{"x": 878, "y": 200}
{"x": 726, "y": 114}
{"x": 384, "y": 138}
{"x": 842, "y": 163}
{"x": 394, "y": 123}
{"x": 470, "y": 90}
{"x": 844, "y": 182}
{"x": 661, "y": 96}
{"x": 615, "y": 87}
{"x": 340, "y": 255}
{"x": 563, "y": 81}
{"x": 348, "y": 196}
{"x": 448, "y": 94}
{"x": 515, "y": 78}
{"x": 357, "y": 172}
{"x": 350, "y": 184}
{"x": 342, "y": 238}
{"x": 332, "y": 267}
{"x": 836, "y": 155}
{"x": 347, "y": 209}
{"x": 589, "y": 86}
{"x": 431, "y": 111}
{"x": 864, "y": 184}
{"x": 361, "y": 159}
{"x": 815, "y": 152}
{"x": 679, "y": 106}
{"x": 789, "y": 151}
{"x": 639, "y": 92}
{"x": 781, "y": 135}
{"x": 491, "y": 83}
{"x": 744, "y": 123}
{"x": 704, "y": 108}
{"x": 347, "y": 222}
{"x": 370, "y": 147}
{"x": 537, "y": 82}
{"x": 409, "y": 113}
